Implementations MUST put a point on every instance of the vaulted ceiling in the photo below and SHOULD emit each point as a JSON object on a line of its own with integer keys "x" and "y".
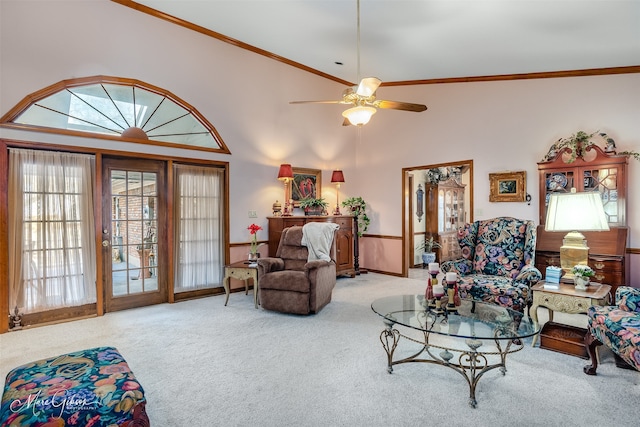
{"x": 416, "y": 40}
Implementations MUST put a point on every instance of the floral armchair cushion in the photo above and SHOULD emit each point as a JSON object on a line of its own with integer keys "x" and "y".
{"x": 617, "y": 327}
{"x": 497, "y": 263}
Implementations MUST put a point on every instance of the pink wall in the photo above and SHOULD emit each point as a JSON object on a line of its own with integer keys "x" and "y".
{"x": 381, "y": 254}
{"x": 501, "y": 125}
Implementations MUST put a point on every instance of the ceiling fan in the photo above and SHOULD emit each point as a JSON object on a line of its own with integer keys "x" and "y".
{"x": 363, "y": 97}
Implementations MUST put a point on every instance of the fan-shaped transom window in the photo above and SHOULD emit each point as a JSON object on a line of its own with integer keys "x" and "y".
{"x": 117, "y": 108}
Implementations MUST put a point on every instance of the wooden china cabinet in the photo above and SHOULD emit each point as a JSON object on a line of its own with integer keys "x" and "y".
{"x": 444, "y": 215}
{"x": 344, "y": 237}
{"x": 594, "y": 170}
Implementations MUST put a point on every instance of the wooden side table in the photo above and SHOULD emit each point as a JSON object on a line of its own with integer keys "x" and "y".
{"x": 566, "y": 299}
{"x": 242, "y": 270}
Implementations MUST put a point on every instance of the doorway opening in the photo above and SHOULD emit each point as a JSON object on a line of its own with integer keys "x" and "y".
{"x": 438, "y": 199}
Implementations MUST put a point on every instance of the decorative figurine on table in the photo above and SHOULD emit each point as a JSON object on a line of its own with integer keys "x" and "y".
{"x": 434, "y": 269}
{"x": 288, "y": 208}
{"x": 277, "y": 208}
{"x": 453, "y": 299}
{"x": 15, "y": 320}
{"x": 428, "y": 293}
{"x": 456, "y": 296}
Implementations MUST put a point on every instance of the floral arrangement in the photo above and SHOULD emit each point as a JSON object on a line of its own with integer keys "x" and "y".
{"x": 578, "y": 144}
{"x": 253, "y": 229}
{"x": 582, "y": 271}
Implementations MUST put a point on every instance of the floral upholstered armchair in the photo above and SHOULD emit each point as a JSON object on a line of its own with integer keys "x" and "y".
{"x": 617, "y": 327}
{"x": 497, "y": 264}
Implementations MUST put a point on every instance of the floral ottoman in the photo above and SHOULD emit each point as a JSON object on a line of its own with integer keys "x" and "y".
{"x": 93, "y": 387}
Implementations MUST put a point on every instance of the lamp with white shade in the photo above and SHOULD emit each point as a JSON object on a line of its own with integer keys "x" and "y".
{"x": 575, "y": 212}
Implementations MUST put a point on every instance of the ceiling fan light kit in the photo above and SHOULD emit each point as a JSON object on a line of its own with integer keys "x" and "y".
{"x": 363, "y": 97}
{"x": 359, "y": 115}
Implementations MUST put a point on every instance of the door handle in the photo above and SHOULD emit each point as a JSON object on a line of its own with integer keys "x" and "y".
{"x": 105, "y": 243}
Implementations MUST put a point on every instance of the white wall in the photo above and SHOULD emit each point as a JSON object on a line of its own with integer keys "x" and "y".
{"x": 244, "y": 95}
{"x": 502, "y": 126}
{"x": 505, "y": 125}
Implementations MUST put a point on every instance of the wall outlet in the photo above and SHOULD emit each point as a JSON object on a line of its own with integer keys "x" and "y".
{"x": 253, "y": 214}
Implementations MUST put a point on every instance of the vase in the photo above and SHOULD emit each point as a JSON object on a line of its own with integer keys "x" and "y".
{"x": 428, "y": 257}
{"x": 581, "y": 282}
{"x": 254, "y": 257}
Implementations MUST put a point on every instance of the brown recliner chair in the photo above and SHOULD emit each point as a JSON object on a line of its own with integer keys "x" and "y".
{"x": 289, "y": 283}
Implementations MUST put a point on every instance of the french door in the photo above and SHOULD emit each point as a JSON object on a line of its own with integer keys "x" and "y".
{"x": 134, "y": 232}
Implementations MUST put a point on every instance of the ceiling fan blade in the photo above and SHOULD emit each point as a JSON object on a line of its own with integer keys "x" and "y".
{"x": 319, "y": 102}
{"x": 368, "y": 86}
{"x": 395, "y": 105}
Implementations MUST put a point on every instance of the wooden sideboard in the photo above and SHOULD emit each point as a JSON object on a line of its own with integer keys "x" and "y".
{"x": 607, "y": 254}
{"x": 344, "y": 237}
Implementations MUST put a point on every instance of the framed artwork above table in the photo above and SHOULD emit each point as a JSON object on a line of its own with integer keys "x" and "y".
{"x": 305, "y": 183}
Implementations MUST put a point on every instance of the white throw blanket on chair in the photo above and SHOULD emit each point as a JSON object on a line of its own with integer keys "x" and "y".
{"x": 318, "y": 237}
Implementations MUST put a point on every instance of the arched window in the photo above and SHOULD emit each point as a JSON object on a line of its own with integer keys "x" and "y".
{"x": 116, "y": 108}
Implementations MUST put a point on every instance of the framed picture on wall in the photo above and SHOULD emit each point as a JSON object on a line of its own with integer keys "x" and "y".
{"x": 507, "y": 186}
{"x": 305, "y": 183}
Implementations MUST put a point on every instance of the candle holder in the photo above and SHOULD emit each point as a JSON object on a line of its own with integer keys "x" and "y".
{"x": 434, "y": 269}
{"x": 453, "y": 299}
{"x": 437, "y": 308}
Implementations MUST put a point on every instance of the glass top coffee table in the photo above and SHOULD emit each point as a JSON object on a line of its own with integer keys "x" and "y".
{"x": 473, "y": 339}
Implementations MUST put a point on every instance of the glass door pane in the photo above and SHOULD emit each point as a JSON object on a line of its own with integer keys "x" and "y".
{"x": 605, "y": 181}
{"x": 134, "y": 226}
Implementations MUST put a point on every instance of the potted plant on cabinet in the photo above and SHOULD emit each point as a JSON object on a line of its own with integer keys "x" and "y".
{"x": 314, "y": 206}
{"x": 428, "y": 245}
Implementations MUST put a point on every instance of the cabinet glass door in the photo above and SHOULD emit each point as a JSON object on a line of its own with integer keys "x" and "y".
{"x": 605, "y": 182}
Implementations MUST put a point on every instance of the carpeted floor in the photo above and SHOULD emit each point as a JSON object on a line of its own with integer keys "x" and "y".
{"x": 204, "y": 364}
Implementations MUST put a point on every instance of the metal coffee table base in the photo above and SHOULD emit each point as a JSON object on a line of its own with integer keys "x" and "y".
{"x": 470, "y": 363}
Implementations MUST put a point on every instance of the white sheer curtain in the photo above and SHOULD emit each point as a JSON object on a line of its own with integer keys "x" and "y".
{"x": 51, "y": 230}
{"x": 199, "y": 227}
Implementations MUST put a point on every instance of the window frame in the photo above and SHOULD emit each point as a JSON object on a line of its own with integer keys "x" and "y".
{"x": 8, "y": 119}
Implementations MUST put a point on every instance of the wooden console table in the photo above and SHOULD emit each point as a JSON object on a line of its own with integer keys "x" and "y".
{"x": 344, "y": 237}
